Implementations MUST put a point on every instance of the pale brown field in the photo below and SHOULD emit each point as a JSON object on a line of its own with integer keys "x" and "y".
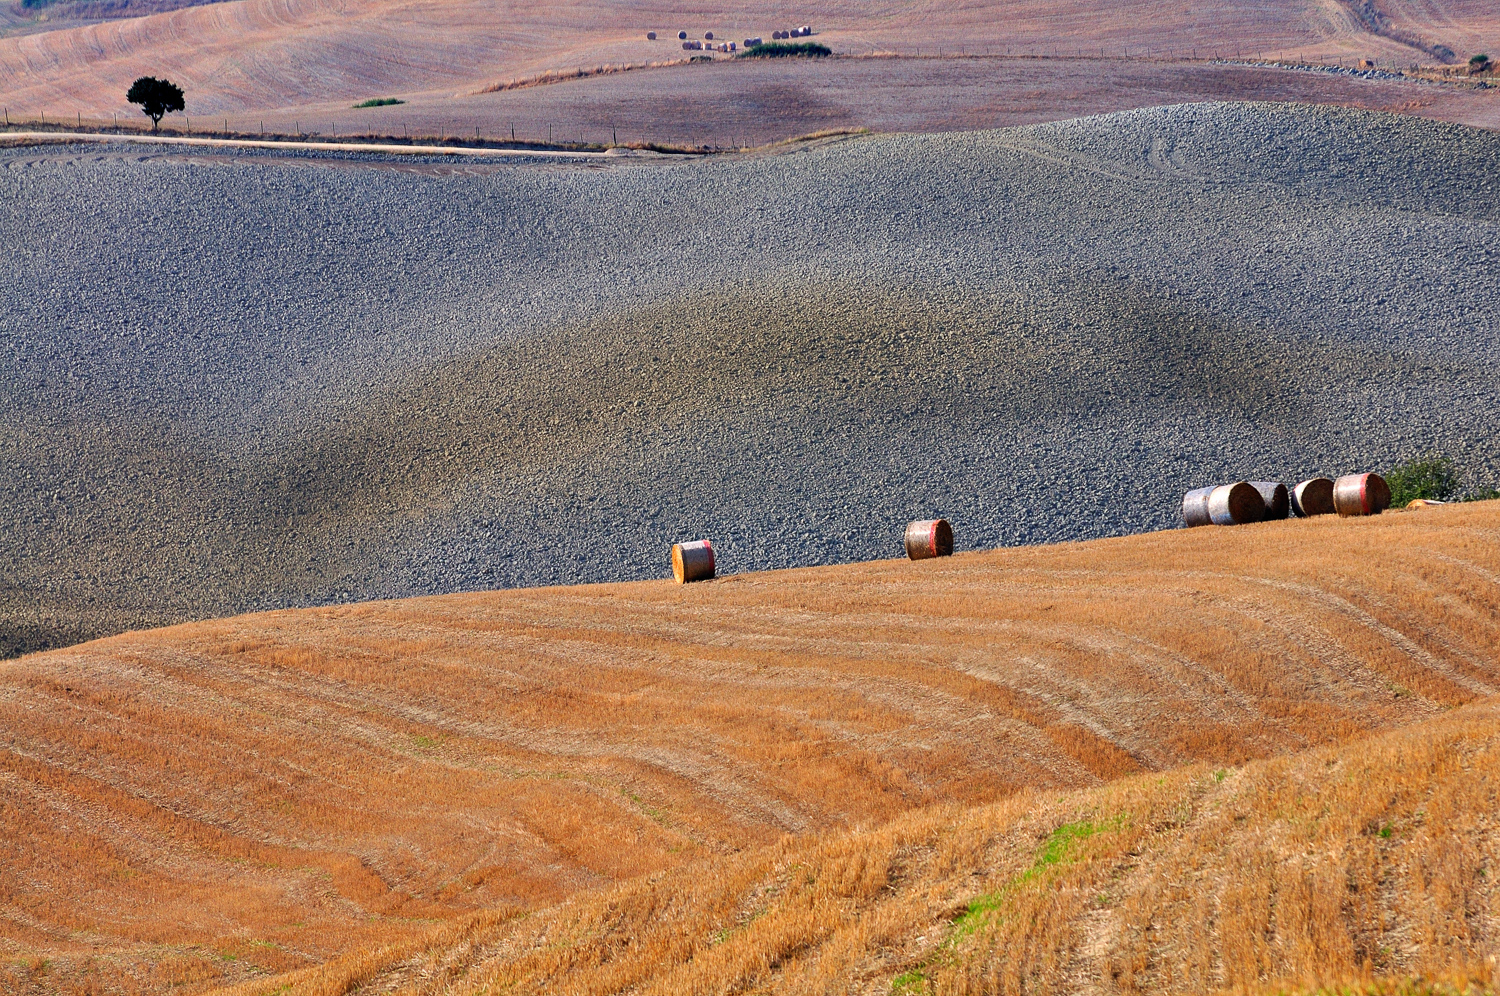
{"x": 756, "y": 102}
{"x": 223, "y": 801}
{"x": 303, "y": 57}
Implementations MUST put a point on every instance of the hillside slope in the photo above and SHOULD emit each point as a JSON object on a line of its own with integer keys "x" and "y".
{"x": 749, "y": 103}
{"x": 1320, "y": 872}
{"x": 269, "y": 54}
{"x": 293, "y": 382}
{"x": 226, "y": 799}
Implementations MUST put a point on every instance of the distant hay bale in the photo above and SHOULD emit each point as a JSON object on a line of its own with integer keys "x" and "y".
{"x": 928, "y": 538}
{"x": 1361, "y": 494}
{"x": 693, "y": 561}
{"x": 651, "y": 36}
{"x": 681, "y": 35}
{"x": 708, "y": 35}
{"x": 1235, "y": 504}
{"x": 1273, "y": 493}
{"x": 1195, "y": 507}
{"x": 1313, "y": 497}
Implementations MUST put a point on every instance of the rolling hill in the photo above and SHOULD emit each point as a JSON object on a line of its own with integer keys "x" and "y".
{"x": 234, "y": 383}
{"x": 1364, "y": 869}
{"x": 776, "y": 778}
{"x": 308, "y": 58}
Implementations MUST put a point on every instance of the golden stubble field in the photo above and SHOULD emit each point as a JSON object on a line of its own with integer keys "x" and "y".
{"x": 245, "y": 59}
{"x": 387, "y": 789}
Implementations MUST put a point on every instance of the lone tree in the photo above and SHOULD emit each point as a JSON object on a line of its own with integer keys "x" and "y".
{"x": 156, "y": 97}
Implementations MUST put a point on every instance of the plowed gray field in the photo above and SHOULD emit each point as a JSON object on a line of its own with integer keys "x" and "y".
{"x": 250, "y": 382}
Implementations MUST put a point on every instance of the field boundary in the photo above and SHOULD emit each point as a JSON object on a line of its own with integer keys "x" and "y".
{"x": 267, "y": 143}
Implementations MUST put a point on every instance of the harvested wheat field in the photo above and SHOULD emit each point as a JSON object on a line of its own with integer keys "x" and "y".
{"x": 812, "y": 780}
{"x": 1330, "y": 868}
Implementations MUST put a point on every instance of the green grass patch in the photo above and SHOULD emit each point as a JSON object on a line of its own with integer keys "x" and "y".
{"x": 1059, "y": 849}
{"x": 912, "y": 983}
{"x": 782, "y": 50}
{"x": 379, "y": 102}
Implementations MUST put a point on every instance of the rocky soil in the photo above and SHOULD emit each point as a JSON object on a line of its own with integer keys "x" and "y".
{"x": 252, "y": 382}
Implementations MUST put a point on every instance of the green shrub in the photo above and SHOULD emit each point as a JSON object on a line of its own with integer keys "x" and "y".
{"x": 774, "y": 50}
{"x": 1426, "y": 477}
{"x": 1478, "y": 60}
{"x": 379, "y": 102}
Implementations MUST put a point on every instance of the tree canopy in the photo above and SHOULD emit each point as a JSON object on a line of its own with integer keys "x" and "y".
{"x": 156, "y": 97}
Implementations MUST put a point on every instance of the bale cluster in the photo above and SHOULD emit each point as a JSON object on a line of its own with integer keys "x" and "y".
{"x": 1257, "y": 501}
{"x": 708, "y": 45}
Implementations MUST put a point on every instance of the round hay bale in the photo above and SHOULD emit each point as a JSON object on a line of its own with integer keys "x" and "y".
{"x": 1313, "y": 496}
{"x": 651, "y": 36}
{"x": 693, "y": 561}
{"x": 681, "y": 35}
{"x": 1361, "y": 494}
{"x": 927, "y": 538}
{"x": 1195, "y": 507}
{"x": 709, "y": 35}
{"x": 1235, "y": 504}
{"x": 1273, "y": 493}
